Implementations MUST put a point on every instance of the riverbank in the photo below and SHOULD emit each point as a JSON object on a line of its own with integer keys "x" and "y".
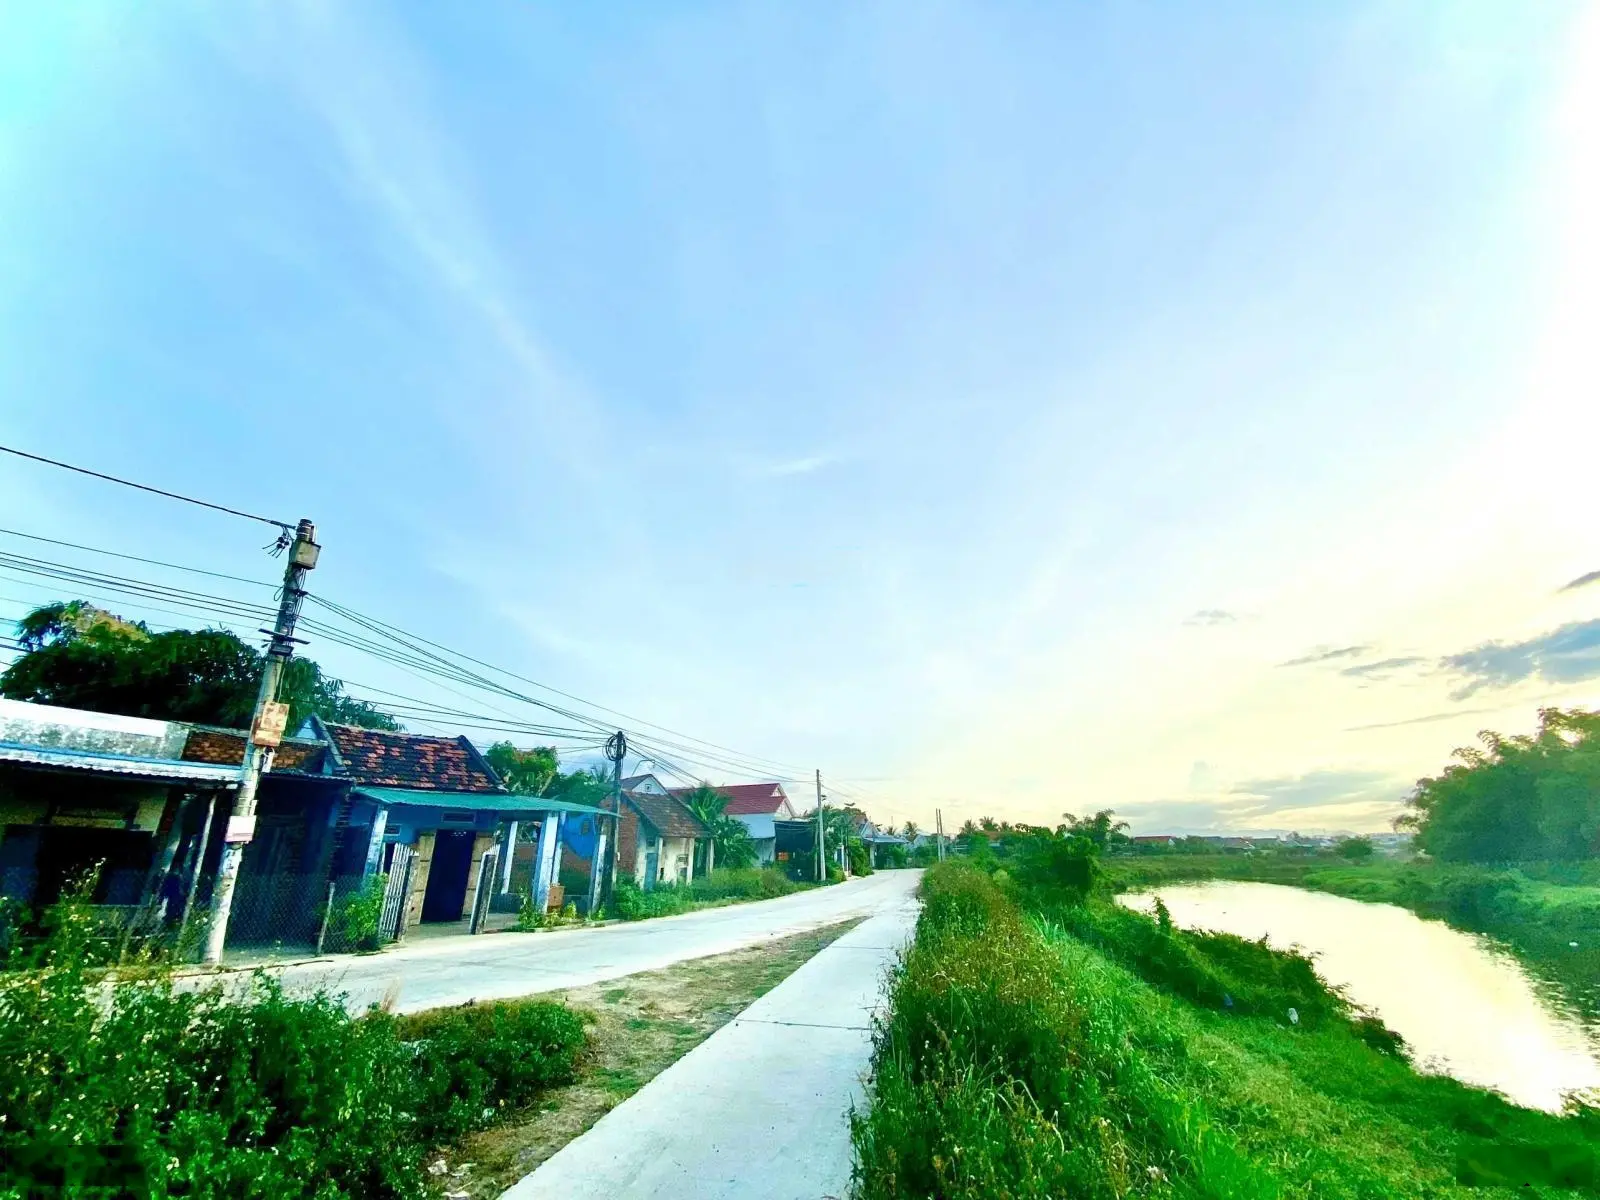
{"x": 1064, "y": 1051}
{"x": 1540, "y": 910}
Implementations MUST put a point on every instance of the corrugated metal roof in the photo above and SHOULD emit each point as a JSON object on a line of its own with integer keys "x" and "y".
{"x": 158, "y": 770}
{"x": 507, "y": 803}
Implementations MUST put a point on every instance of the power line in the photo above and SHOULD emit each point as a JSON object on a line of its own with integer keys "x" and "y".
{"x": 155, "y": 562}
{"x": 392, "y": 631}
{"x": 284, "y": 526}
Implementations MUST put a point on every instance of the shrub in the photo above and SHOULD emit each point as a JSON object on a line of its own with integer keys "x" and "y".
{"x": 353, "y": 924}
{"x": 633, "y": 903}
{"x": 148, "y": 1090}
{"x": 475, "y": 1062}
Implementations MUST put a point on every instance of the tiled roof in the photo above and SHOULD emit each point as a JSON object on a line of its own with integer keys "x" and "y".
{"x": 417, "y": 761}
{"x": 747, "y": 799}
{"x": 226, "y": 747}
{"x": 668, "y": 815}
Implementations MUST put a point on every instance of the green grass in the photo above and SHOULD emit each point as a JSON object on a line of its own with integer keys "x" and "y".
{"x": 1019, "y": 1058}
{"x": 632, "y": 903}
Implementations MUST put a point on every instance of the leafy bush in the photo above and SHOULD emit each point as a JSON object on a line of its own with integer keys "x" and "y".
{"x": 633, "y": 903}
{"x": 475, "y": 1062}
{"x": 148, "y": 1090}
{"x": 860, "y": 859}
{"x": 353, "y": 924}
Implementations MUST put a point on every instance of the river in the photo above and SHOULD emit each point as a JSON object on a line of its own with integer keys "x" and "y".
{"x": 1465, "y": 1006}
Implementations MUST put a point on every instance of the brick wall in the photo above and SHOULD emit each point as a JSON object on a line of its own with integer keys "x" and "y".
{"x": 628, "y": 843}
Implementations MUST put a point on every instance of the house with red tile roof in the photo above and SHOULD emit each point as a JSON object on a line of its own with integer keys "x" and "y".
{"x": 757, "y": 806}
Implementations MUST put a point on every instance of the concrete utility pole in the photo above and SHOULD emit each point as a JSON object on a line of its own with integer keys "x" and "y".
{"x": 822, "y": 841}
{"x": 938, "y": 827}
{"x": 266, "y": 733}
{"x": 616, "y": 751}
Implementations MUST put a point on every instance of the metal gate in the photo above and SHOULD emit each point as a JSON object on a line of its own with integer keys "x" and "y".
{"x": 391, "y": 922}
{"x": 488, "y": 872}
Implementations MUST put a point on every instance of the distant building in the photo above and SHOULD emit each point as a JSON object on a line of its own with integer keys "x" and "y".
{"x": 756, "y": 806}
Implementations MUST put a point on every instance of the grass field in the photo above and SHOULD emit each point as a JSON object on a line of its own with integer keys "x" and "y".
{"x": 1029, "y": 1056}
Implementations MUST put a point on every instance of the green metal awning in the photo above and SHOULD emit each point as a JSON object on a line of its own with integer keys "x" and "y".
{"x": 504, "y": 804}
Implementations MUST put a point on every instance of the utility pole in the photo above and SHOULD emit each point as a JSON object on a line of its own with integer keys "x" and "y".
{"x": 822, "y": 863}
{"x": 938, "y": 827}
{"x": 266, "y": 733}
{"x": 616, "y": 751}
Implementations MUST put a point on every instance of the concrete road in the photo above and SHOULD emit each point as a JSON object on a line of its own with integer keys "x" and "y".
{"x": 500, "y": 965}
{"x": 758, "y": 1111}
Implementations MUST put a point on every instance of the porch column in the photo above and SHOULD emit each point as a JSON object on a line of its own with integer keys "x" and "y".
{"x": 689, "y": 878}
{"x": 711, "y": 855}
{"x": 544, "y": 864}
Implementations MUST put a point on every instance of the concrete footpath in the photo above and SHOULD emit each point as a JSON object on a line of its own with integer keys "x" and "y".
{"x": 759, "y": 1110}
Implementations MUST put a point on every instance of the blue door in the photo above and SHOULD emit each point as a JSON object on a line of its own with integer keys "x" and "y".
{"x": 652, "y": 863}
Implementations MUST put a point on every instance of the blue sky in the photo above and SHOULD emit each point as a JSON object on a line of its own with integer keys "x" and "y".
{"x": 981, "y": 402}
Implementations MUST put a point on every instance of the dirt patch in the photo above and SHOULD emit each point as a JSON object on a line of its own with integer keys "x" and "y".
{"x": 642, "y": 1024}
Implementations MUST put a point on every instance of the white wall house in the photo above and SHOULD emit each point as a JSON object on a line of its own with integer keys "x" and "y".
{"x": 756, "y": 806}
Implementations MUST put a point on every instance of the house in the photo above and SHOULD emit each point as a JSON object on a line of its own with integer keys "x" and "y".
{"x": 657, "y": 835}
{"x": 439, "y": 825}
{"x": 83, "y": 791}
{"x": 151, "y": 801}
{"x": 756, "y": 806}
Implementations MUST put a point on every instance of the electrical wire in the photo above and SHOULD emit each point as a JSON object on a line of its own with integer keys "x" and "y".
{"x": 284, "y": 526}
{"x": 155, "y": 562}
{"x": 394, "y": 631}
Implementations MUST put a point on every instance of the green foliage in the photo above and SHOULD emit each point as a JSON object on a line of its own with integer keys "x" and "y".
{"x": 526, "y": 772}
{"x": 1356, "y": 849}
{"x": 1215, "y": 970}
{"x": 81, "y": 657}
{"x": 860, "y": 858}
{"x": 734, "y": 847}
{"x": 149, "y": 1090}
{"x": 1017, "y": 1060}
{"x": 1518, "y": 799}
{"x": 353, "y": 924}
{"x": 475, "y": 1063}
{"x": 633, "y": 903}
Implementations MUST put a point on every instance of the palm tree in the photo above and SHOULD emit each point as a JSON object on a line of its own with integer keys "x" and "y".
{"x": 729, "y": 836}
{"x": 909, "y": 831}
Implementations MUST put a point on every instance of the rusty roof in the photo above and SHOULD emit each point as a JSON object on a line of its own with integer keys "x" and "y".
{"x": 668, "y": 814}
{"x": 415, "y": 761}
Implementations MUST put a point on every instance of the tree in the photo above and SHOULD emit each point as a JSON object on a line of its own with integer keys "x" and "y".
{"x": 1356, "y": 849}
{"x": 1529, "y": 797}
{"x": 732, "y": 840}
{"x": 1103, "y": 829}
{"x": 526, "y": 772}
{"x": 909, "y": 831}
{"x": 79, "y": 656}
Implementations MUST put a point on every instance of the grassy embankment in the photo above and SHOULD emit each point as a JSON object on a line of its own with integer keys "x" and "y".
{"x": 1540, "y": 909}
{"x": 1053, "y": 1050}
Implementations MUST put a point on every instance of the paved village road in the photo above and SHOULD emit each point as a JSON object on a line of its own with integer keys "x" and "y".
{"x": 759, "y": 1110}
{"x": 501, "y": 965}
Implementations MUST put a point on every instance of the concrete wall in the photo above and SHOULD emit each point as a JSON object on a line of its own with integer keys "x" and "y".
{"x": 77, "y": 729}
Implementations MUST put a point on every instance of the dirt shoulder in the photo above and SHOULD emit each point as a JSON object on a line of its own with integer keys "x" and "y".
{"x": 642, "y": 1024}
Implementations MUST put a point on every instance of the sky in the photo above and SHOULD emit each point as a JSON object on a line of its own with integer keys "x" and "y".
{"x": 1004, "y": 408}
